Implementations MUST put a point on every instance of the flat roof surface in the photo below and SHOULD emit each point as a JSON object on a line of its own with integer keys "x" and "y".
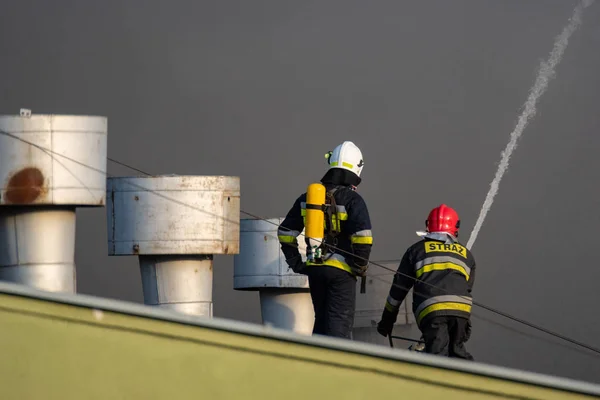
{"x": 245, "y": 328}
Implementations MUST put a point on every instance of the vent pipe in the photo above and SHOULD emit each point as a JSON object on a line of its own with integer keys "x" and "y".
{"x": 174, "y": 224}
{"x": 49, "y": 166}
{"x": 285, "y": 301}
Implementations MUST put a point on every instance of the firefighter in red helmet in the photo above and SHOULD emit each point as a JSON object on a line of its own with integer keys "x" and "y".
{"x": 441, "y": 272}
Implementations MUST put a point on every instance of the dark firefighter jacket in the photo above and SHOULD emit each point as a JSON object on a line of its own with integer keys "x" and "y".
{"x": 355, "y": 239}
{"x": 441, "y": 272}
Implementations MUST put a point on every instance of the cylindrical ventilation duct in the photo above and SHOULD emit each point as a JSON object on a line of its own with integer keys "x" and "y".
{"x": 175, "y": 224}
{"x": 284, "y": 295}
{"x": 49, "y": 166}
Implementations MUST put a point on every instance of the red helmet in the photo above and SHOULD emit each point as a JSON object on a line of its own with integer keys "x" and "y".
{"x": 443, "y": 219}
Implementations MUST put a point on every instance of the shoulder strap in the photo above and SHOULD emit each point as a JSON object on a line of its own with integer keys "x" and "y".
{"x": 331, "y": 212}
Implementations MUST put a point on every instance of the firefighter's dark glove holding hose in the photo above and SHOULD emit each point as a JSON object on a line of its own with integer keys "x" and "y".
{"x": 362, "y": 270}
{"x": 386, "y": 325}
{"x": 359, "y": 270}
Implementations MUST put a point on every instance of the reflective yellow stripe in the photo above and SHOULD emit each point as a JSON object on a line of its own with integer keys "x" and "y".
{"x": 333, "y": 263}
{"x": 303, "y": 212}
{"x": 440, "y": 267}
{"x": 340, "y": 209}
{"x": 439, "y": 260}
{"x": 335, "y": 223}
{"x": 286, "y": 239}
{"x": 336, "y": 218}
{"x": 443, "y": 306}
{"x": 446, "y": 298}
{"x": 390, "y": 307}
{"x": 393, "y": 302}
{"x": 345, "y": 164}
{"x": 361, "y": 240}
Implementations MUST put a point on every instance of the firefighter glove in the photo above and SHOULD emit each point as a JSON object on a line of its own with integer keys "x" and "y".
{"x": 385, "y": 328}
{"x": 360, "y": 270}
{"x": 386, "y": 325}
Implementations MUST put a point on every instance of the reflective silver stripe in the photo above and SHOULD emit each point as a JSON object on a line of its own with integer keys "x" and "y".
{"x": 336, "y": 256}
{"x": 303, "y": 204}
{"x": 393, "y": 302}
{"x": 442, "y": 259}
{"x": 443, "y": 299}
{"x": 364, "y": 233}
{"x": 285, "y": 232}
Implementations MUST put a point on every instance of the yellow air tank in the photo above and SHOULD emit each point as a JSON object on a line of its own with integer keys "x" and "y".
{"x": 315, "y": 218}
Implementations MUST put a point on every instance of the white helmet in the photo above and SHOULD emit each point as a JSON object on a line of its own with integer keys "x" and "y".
{"x": 346, "y": 156}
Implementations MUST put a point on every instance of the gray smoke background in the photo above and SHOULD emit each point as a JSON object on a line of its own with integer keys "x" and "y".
{"x": 430, "y": 91}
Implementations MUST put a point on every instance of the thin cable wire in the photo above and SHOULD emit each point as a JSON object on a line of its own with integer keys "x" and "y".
{"x": 127, "y": 166}
{"x": 518, "y": 320}
{"x": 53, "y": 155}
{"x": 395, "y": 272}
{"x": 488, "y": 308}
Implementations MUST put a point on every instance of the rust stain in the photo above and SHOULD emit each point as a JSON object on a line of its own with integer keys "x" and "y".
{"x": 25, "y": 186}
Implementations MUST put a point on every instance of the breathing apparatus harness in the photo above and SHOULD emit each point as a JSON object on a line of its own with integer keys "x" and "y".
{"x": 332, "y": 229}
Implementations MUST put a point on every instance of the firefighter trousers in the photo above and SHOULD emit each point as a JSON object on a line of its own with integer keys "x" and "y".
{"x": 446, "y": 336}
{"x": 333, "y": 293}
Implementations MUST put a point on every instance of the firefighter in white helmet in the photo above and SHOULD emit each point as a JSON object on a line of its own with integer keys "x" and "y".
{"x": 339, "y": 239}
